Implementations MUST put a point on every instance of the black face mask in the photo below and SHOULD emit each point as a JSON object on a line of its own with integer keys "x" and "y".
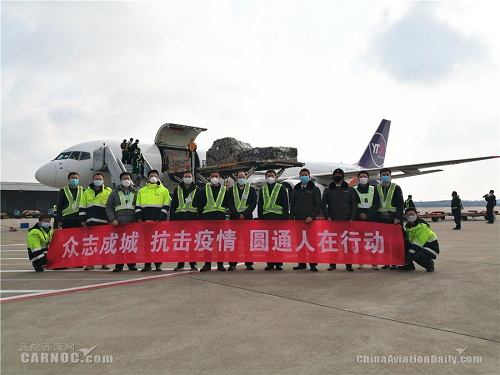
{"x": 337, "y": 178}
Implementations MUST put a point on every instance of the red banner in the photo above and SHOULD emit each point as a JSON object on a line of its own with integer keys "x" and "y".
{"x": 229, "y": 241}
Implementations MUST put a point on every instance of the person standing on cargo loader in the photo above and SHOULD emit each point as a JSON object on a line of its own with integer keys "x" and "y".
{"x": 305, "y": 205}
{"x": 368, "y": 203}
{"x": 456, "y": 210}
{"x": 273, "y": 205}
{"x": 339, "y": 203}
{"x": 242, "y": 202}
{"x": 213, "y": 204}
{"x": 68, "y": 203}
{"x": 391, "y": 203}
{"x": 185, "y": 207}
{"x": 153, "y": 202}
{"x": 490, "y": 205}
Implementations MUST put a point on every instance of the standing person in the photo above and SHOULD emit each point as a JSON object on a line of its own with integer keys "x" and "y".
{"x": 490, "y": 205}
{"x": 421, "y": 244}
{"x": 213, "y": 204}
{"x": 409, "y": 202}
{"x": 120, "y": 208}
{"x": 129, "y": 153}
{"x": 391, "y": 203}
{"x": 123, "y": 147}
{"x": 368, "y": 203}
{"x": 136, "y": 164}
{"x": 39, "y": 237}
{"x": 93, "y": 207}
{"x": 152, "y": 204}
{"x": 305, "y": 205}
{"x": 339, "y": 203}
{"x": 272, "y": 205}
{"x": 54, "y": 216}
{"x": 68, "y": 203}
{"x": 242, "y": 200}
{"x": 456, "y": 210}
{"x": 133, "y": 151}
{"x": 185, "y": 207}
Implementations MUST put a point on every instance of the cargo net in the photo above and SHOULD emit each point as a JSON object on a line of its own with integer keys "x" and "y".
{"x": 230, "y": 150}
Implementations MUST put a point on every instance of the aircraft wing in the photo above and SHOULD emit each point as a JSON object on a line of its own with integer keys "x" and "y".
{"x": 404, "y": 170}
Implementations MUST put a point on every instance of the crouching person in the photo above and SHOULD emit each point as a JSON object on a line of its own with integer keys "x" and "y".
{"x": 39, "y": 237}
{"x": 421, "y": 245}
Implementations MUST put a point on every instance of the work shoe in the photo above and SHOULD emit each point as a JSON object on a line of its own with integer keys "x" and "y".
{"x": 146, "y": 269}
{"x": 332, "y": 267}
{"x": 88, "y": 268}
{"x": 132, "y": 268}
{"x": 178, "y": 268}
{"x": 231, "y": 268}
{"x": 269, "y": 268}
{"x": 205, "y": 269}
{"x": 314, "y": 269}
{"x": 221, "y": 269}
{"x": 393, "y": 268}
{"x": 431, "y": 268}
{"x": 158, "y": 269}
{"x": 456, "y": 228}
{"x": 38, "y": 269}
{"x": 117, "y": 269}
{"x": 279, "y": 268}
{"x": 194, "y": 268}
{"x": 385, "y": 267}
{"x": 406, "y": 268}
{"x": 301, "y": 267}
{"x": 250, "y": 268}
{"x": 349, "y": 268}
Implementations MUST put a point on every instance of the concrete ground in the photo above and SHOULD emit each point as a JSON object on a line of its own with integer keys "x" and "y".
{"x": 258, "y": 322}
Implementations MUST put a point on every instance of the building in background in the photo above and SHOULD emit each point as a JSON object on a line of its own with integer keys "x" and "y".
{"x": 21, "y": 196}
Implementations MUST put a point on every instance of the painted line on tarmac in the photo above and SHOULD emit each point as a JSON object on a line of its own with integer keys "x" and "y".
{"x": 13, "y": 258}
{"x": 10, "y": 250}
{"x": 28, "y": 291}
{"x": 13, "y": 244}
{"x": 38, "y": 280}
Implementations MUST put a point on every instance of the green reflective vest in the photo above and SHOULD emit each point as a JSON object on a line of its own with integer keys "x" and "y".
{"x": 212, "y": 204}
{"x": 126, "y": 201}
{"x": 241, "y": 205}
{"x": 386, "y": 204}
{"x": 420, "y": 234}
{"x": 39, "y": 239}
{"x": 365, "y": 199}
{"x": 269, "y": 202}
{"x": 74, "y": 204}
{"x": 187, "y": 204}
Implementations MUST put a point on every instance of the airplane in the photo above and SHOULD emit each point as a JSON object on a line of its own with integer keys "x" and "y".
{"x": 174, "y": 151}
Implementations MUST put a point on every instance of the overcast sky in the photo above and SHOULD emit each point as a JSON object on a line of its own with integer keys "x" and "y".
{"x": 314, "y": 75}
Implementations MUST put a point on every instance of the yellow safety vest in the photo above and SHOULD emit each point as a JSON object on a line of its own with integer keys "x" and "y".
{"x": 125, "y": 204}
{"x": 365, "y": 199}
{"x": 214, "y": 205}
{"x": 270, "y": 205}
{"x": 386, "y": 204}
{"x": 241, "y": 205}
{"x": 90, "y": 199}
{"x": 73, "y": 204}
{"x": 153, "y": 195}
{"x": 185, "y": 205}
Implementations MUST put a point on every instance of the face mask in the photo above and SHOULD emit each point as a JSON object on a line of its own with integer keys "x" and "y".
{"x": 98, "y": 182}
{"x": 242, "y": 181}
{"x": 270, "y": 180}
{"x": 187, "y": 180}
{"x": 126, "y": 183}
{"x": 45, "y": 225}
{"x": 337, "y": 178}
{"x": 304, "y": 179}
{"x": 74, "y": 181}
{"x": 385, "y": 178}
{"x": 214, "y": 180}
{"x": 411, "y": 218}
{"x": 153, "y": 180}
{"x": 363, "y": 180}
{"x": 490, "y": 194}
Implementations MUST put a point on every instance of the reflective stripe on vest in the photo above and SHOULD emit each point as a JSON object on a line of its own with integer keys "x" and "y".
{"x": 386, "y": 204}
{"x": 185, "y": 205}
{"x": 212, "y": 205}
{"x": 241, "y": 205}
{"x": 125, "y": 204}
{"x": 270, "y": 205}
{"x": 73, "y": 205}
{"x": 365, "y": 199}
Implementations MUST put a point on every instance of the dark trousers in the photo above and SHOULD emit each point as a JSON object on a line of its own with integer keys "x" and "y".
{"x": 490, "y": 216}
{"x": 181, "y": 264}
{"x": 149, "y": 264}
{"x": 304, "y": 265}
{"x": 457, "y": 216}
{"x": 71, "y": 223}
{"x": 274, "y": 264}
{"x": 422, "y": 257}
{"x": 120, "y": 266}
{"x": 38, "y": 263}
{"x": 247, "y": 264}
{"x": 209, "y": 264}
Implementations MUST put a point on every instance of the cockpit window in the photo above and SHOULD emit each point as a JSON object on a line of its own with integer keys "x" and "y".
{"x": 85, "y": 156}
{"x": 63, "y": 156}
{"x": 73, "y": 155}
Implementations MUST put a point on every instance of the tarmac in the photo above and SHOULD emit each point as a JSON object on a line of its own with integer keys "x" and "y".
{"x": 257, "y": 322}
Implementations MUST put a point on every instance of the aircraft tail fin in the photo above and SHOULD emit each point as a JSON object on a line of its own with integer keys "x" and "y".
{"x": 374, "y": 155}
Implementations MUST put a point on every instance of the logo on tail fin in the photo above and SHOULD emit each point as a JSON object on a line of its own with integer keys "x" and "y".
{"x": 374, "y": 155}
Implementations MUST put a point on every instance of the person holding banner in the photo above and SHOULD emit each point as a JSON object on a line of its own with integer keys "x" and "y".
{"x": 368, "y": 203}
{"x": 339, "y": 203}
{"x": 68, "y": 203}
{"x": 242, "y": 202}
{"x": 305, "y": 205}
{"x": 152, "y": 204}
{"x": 93, "y": 207}
{"x": 391, "y": 203}
{"x": 39, "y": 237}
{"x": 273, "y": 205}
{"x": 422, "y": 246}
{"x": 185, "y": 207}
{"x": 213, "y": 204}
{"x": 120, "y": 208}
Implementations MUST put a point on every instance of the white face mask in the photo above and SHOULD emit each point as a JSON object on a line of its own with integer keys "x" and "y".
{"x": 270, "y": 180}
{"x": 363, "y": 180}
{"x": 242, "y": 181}
{"x": 153, "y": 180}
{"x": 98, "y": 182}
{"x": 187, "y": 180}
{"x": 214, "y": 180}
{"x": 126, "y": 183}
{"x": 411, "y": 218}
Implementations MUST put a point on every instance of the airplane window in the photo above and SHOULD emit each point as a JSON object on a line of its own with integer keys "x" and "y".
{"x": 75, "y": 155}
{"x": 85, "y": 156}
{"x": 63, "y": 156}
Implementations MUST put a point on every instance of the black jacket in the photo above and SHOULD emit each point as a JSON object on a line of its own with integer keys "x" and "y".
{"x": 371, "y": 213}
{"x": 339, "y": 202}
{"x": 62, "y": 204}
{"x": 282, "y": 201}
{"x": 397, "y": 201}
{"x": 306, "y": 201}
{"x": 491, "y": 201}
{"x": 251, "y": 203}
{"x": 456, "y": 204}
{"x": 202, "y": 202}
{"x": 175, "y": 203}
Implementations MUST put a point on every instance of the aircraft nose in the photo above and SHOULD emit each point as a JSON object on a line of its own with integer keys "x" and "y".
{"x": 46, "y": 174}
